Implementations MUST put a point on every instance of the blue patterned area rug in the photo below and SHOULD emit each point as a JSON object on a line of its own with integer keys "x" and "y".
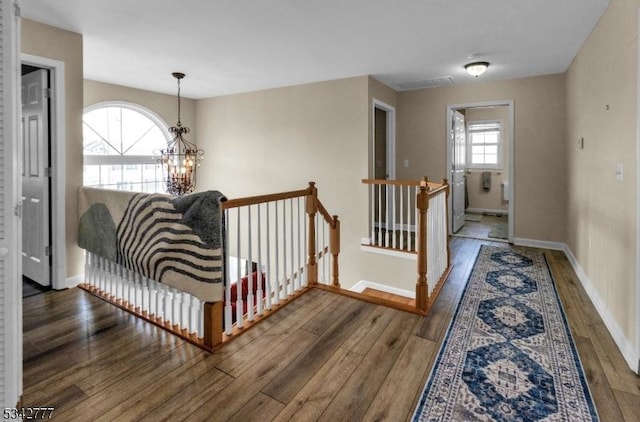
{"x": 508, "y": 354}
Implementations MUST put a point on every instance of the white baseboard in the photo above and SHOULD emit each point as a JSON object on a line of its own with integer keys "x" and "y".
{"x": 543, "y": 244}
{"x": 74, "y": 281}
{"x": 360, "y": 286}
{"x": 489, "y": 211}
{"x": 626, "y": 348}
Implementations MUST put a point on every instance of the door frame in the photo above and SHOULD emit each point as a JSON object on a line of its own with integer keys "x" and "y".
{"x": 57, "y": 194}
{"x": 637, "y": 369}
{"x": 512, "y": 139}
{"x": 391, "y": 136}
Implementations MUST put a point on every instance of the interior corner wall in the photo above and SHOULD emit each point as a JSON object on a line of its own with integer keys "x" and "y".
{"x": 540, "y": 129}
{"x": 280, "y": 139}
{"x": 57, "y": 44}
{"x": 164, "y": 105}
{"x": 602, "y": 108}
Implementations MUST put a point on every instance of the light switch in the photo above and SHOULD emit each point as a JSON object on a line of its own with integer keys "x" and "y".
{"x": 620, "y": 172}
{"x": 406, "y": 163}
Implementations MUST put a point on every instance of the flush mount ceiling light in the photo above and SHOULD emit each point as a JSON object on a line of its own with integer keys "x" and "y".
{"x": 476, "y": 68}
{"x": 180, "y": 158}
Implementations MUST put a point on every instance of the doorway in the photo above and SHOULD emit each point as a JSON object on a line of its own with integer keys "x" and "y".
{"x": 52, "y": 243}
{"x": 480, "y": 145}
{"x": 36, "y": 183}
{"x": 383, "y": 159}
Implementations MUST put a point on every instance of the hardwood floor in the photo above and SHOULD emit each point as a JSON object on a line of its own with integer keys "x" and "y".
{"x": 324, "y": 357}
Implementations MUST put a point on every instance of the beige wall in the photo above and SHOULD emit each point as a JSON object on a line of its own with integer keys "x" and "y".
{"x": 539, "y": 103}
{"x": 165, "y": 106}
{"x": 478, "y": 197}
{"x": 280, "y": 139}
{"x": 57, "y": 44}
{"x": 601, "y": 104}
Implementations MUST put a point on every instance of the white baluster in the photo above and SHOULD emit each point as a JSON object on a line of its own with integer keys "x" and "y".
{"x": 276, "y": 295}
{"x": 227, "y": 282}
{"x": 239, "y": 302}
{"x": 250, "y": 298}
{"x": 285, "y": 286}
{"x": 176, "y": 311}
{"x": 268, "y": 278}
{"x": 168, "y": 306}
{"x": 299, "y": 262}
{"x": 260, "y": 292}
{"x": 372, "y": 195}
{"x": 305, "y": 248}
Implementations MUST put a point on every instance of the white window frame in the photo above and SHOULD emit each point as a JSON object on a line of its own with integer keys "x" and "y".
{"x": 470, "y": 164}
{"x": 90, "y": 159}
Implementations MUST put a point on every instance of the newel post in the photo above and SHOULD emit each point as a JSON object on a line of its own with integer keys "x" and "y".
{"x": 312, "y": 210}
{"x": 334, "y": 249}
{"x": 212, "y": 324}
{"x": 422, "y": 203}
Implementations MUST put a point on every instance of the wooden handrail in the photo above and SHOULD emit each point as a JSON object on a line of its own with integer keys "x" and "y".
{"x": 260, "y": 199}
{"x": 433, "y": 188}
{"x": 327, "y": 217}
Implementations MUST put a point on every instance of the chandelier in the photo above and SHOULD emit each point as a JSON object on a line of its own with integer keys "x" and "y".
{"x": 180, "y": 158}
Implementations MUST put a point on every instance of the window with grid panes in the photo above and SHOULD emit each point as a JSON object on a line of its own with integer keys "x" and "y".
{"x": 121, "y": 142}
{"x": 484, "y": 145}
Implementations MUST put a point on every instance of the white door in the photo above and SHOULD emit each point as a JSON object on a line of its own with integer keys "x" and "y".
{"x": 458, "y": 169}
{"x": 35, "y": 178}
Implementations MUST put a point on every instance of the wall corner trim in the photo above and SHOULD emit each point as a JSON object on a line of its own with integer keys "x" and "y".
{"x": 361, "y": 285}
{"x": 74, "y": 281}
{"x": 543, "y": 244}
{"x": 631, "y": 356}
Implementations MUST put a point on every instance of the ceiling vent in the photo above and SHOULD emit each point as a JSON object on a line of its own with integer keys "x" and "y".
{"x": 427, "y": 83}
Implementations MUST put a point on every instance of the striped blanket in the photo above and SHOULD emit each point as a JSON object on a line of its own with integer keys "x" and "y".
{"x": 176, "y": 241}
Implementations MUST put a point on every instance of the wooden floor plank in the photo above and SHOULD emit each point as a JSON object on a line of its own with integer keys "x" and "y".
{"x": 91, "y": 360}
{"x": 316, "y": 395}
{"x": 237, "y": 362}
{"x": 293, "y": 378}
{"x": 399, "y": 392}
{"x": 227, "y": 402}
{"x": 259, "y": 409}
{"x": 354, "y": 399}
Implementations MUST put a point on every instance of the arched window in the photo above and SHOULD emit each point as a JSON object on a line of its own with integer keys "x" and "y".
{"x": 120, "y": 143}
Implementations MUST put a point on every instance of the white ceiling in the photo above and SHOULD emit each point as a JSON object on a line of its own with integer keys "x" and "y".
{"x": 231, "y": 46}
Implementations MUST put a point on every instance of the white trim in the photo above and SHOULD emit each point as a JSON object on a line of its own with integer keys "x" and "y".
{"x": 11, "y": 323}
{"x": 388, "y": 252}
{"x": 542, "y": 244}
{"x": 511, "y": 163}
{"x": 58, "y": 190}
{"x": 487, "y": 210}
{"x": 391, "y": 136}
{"x": 147, "y": 112}
{"x": 499, "y": 165}
{"x": 74, "y": 281}
{"x": 638, "y": 208}
{"x": 631, "y": 356}
{"x": 361, "y": 285}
